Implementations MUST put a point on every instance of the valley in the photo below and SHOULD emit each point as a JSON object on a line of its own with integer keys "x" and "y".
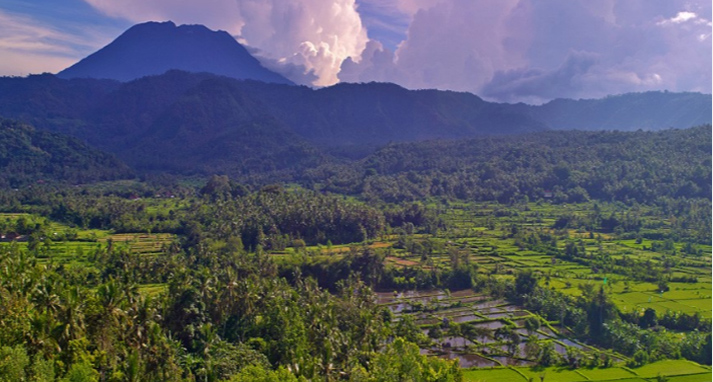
{"x": 183, "y": 205}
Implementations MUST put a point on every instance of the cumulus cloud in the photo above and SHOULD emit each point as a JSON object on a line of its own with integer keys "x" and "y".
{"x": 681, "y": 17}
{"x": 377, "y": 64}
{"x": 316, "y": 35}
{"x": 537, "y": 50}
{"x": 534, "y": 85}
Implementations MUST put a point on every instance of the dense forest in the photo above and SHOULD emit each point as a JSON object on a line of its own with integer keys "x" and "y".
{"x": 199, "y": 123}
{"x": 28, "y": 156}
{"x": 297, "y": 261}
{"x": 574, "y": 166}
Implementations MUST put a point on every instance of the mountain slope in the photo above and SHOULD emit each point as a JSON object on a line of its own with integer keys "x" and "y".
{"x": 154, "y": 48}
{"x": 571, "y": 166}
{"x": 203, "y": 123}
{"x": 28, "y": 155}
{"x": 627, "y": 112}
{"x": 214, "y": 127}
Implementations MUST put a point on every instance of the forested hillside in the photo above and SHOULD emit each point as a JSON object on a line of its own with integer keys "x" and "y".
{"x": 193, "y": 123}
{"x": 626, "y": 112}
{"x": 28, "y": 156}
{"x": 571, "y": 166}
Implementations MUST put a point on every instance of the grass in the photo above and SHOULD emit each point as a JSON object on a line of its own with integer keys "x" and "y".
{"x": 704, "y": 377}
{"x": 670, "y": 367}
{"x": 674, "y": 370}
{"x": 607, "y": 374}
{"x": 494, "y": 374}
{"x": 554, "y": 374}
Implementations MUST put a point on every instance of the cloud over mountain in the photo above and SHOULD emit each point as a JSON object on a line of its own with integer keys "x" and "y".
{"x": 533, "y": 50}
{"x": 316, "y": 35}
{"x": 506, "y": 50}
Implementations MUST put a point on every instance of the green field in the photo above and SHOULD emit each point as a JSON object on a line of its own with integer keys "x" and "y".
{"x": 674, "y": 370}
{"x": 484, "y": 231}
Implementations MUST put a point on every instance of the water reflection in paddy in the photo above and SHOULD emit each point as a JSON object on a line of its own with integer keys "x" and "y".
{"x": 469, "y": 360}
{"x": 466, "y": 318}
{"x": 490, "y": 325}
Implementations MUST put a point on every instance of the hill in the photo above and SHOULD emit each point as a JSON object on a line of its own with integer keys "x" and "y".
{"x": 208, "y": 123}
{"x": 153, "y": 48}
{"x": 202, "y": 123}
{"x": 28, "y": 156}
{"x": 569, "y": 166}
{"x": 626, "y": 112}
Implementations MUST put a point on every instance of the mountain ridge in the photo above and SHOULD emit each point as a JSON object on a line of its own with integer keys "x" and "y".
{"x": 249, "y": 126}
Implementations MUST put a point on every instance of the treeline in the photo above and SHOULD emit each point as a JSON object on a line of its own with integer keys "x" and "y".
{"x": 664, "y": 168}
{"x": 271, "y": 217}
{"x": 562, "y": 166}
{"x": 274, "y": 218}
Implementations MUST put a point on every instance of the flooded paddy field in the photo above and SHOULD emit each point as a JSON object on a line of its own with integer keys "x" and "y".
{"x": 477, "y": 330}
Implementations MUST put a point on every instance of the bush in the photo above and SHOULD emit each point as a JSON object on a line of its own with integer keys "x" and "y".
{"x": 640, "y": 358}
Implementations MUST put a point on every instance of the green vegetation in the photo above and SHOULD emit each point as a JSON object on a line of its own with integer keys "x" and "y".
{"x": 670, "y": 370}
{"x": 28, "y": 156}
{"x": 171, "y": 280}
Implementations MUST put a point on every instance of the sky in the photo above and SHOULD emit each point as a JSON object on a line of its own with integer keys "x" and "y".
{"x": 502, "y": 50}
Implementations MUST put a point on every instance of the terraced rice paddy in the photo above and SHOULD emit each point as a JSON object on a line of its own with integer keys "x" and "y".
{"x": 435, "y": 311}
{"x": 484, "y": 233}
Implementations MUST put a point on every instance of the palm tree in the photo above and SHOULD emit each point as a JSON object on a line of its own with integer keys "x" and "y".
{"x": 111, "y": 298}
{"x": 70, "y": 319}
{"x": 45, "y": 297}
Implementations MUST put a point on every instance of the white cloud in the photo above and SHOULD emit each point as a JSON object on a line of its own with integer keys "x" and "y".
{"x": 682, "y": 17}
{"x": 315, "y": 34}
{"x": 523, "y": 49}
{"x": 454, "y": 45}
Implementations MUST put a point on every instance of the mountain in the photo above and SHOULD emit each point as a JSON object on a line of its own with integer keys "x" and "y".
{"x": 203, "y": 123}
{"x": 627, "y": 112}
{"x": 153, "y": 48}
{"x": 121, "y": 118}
{"x": 378, "y": 113}
{"x": 28, "y": 155}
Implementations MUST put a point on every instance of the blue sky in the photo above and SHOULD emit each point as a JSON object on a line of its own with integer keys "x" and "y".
{"x": 505, "y": 50}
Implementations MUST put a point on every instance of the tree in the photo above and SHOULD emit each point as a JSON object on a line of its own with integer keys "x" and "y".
{"x": 548, "y": 354}
{"x": 13, "y": 361}
{"x": 663, "y": 286}
{"x": 648, "y": 319}
{"x": 532, "y": 324}
{"x": 640, "y": 358}
{"x": 599, "y": 310}
{"x": 402, "y": 361}
{"x": 474, "y": 332}
{"x": 525, "y": 284}
{"x": 532, "y": 347}
{"x": 260, "y": 373}
{"x": 574, "y": 356}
